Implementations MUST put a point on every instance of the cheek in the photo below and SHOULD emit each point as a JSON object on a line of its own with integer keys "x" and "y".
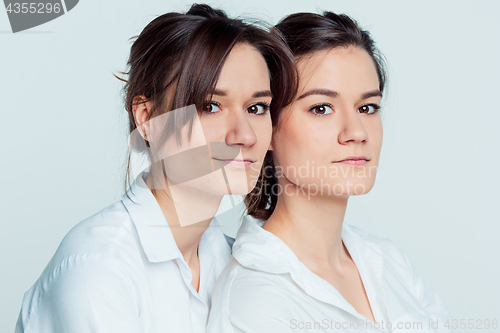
{"x": 169, "y": 147}
{"x": 263, "y": 130}
{"x": 376, "y": 136}
{"x": 211, "y": 129}
{"x": 293, "y": 144}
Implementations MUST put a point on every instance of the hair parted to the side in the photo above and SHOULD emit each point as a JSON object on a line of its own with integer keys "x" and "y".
{"x": 176, "y": 61}
{"x": 306, "y": 33}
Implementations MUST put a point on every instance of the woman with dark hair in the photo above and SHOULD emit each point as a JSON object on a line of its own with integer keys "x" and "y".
{"x": 201, "y": 91}
{"x": 297, "y": 267}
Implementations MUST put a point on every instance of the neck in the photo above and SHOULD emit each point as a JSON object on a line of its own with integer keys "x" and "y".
{"x": 188, "y": 212}
{"x": 311, "y": 225}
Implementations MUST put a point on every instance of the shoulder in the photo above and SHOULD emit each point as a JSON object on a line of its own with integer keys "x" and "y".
{"x": 249, "y": 300}
{"x": 98, "y": 257}
{"x": 75, "y": 288}
{"x": 108, "y": 236}
{"x": 398, "y": 267}
{"x": 235, "y": 280}
{"x": 109, "y": 232}
{"x": 395, "y": 262}
{"x": 388, "y": 249}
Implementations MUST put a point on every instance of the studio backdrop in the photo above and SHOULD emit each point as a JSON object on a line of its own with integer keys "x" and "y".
{"x": 64, "y": 137}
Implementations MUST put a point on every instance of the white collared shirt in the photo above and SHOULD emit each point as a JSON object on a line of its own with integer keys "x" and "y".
{"x": 265, "y": 288}
{"x": 120, "y": 271}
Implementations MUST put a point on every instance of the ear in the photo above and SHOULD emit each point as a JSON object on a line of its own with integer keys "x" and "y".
{"x": 141, "y": 109}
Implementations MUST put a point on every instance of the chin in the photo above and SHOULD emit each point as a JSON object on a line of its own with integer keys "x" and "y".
{"x": 344, "y": 187}
{"x": 239, "y": 186}
{"x": 356, "y": 187}
{"x": 241, "y": 182}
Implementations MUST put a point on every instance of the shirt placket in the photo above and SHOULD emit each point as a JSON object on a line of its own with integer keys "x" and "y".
{"x": 369, "y": 261}
{"x": 199, "y": 301}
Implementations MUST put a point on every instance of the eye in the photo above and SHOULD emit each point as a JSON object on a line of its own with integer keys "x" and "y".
{"x": 210, "y": 108}
{"x": 259, "y": 108}
{"x": 321, "y": 109}
{"x": 369, "y": 108}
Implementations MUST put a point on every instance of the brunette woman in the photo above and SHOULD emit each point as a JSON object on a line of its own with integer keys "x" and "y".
{"x": 200, "y": 95}
{"x": 297, "y": 267}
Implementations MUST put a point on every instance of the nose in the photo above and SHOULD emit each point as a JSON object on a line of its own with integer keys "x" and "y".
{"x": 352, "y": 128}
{"x": 239, "y": 130}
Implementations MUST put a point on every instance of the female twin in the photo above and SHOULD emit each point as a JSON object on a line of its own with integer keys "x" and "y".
{"x": 297, "y": 267}
{"x": 200, "y": 95}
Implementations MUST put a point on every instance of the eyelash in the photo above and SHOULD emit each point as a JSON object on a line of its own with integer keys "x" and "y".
{"x": 375, "y": 106}
{"x": 207, "y": 103}
{"x": 320, "y": 105}
{"x": 265, "y": 106}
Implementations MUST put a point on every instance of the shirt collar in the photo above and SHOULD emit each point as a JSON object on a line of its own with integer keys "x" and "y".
{"x": 258, "y": 249}
{"x": 154, "y": 232}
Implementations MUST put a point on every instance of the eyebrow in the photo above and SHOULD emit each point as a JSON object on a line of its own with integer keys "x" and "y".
{"x": 331, "y": 93}
{"x": 374, "y": 93}
{"x": 264, "y": 93}
{"x": 326, "y": 92}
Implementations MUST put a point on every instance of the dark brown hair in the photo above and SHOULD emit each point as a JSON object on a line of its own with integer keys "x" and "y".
{"x": 177, "y": 58}
{"x": 306, "y": 33}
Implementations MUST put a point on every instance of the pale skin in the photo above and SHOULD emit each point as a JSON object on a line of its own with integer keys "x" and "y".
{"x": 236, "y": 115}
{"x": 343, "y": 86}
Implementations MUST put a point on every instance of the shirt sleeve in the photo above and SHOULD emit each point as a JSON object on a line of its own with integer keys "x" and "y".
{"x": 84, "y": 293}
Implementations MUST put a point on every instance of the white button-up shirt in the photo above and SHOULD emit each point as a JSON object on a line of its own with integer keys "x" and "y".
{"x": 265, "y": 288}
{"x": 120, "y": 271}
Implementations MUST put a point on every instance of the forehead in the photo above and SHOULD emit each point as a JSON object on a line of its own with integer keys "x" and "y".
{"x": 342, "y": 69}
{"x": 245, "y": 69}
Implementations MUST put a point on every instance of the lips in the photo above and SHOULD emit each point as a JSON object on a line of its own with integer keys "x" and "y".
{"x": 354, "y": 160}
{"x": 236, "y": 163}
{"x": 234, "y": 160}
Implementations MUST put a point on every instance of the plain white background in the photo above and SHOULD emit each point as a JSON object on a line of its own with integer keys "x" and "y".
{"x": 64, "y": 136}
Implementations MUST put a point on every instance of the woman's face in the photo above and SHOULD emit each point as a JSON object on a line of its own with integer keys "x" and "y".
{"x": 329, "y": 138}
{"x": 231, "y": 135}
{"x": 237, "y": 119}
